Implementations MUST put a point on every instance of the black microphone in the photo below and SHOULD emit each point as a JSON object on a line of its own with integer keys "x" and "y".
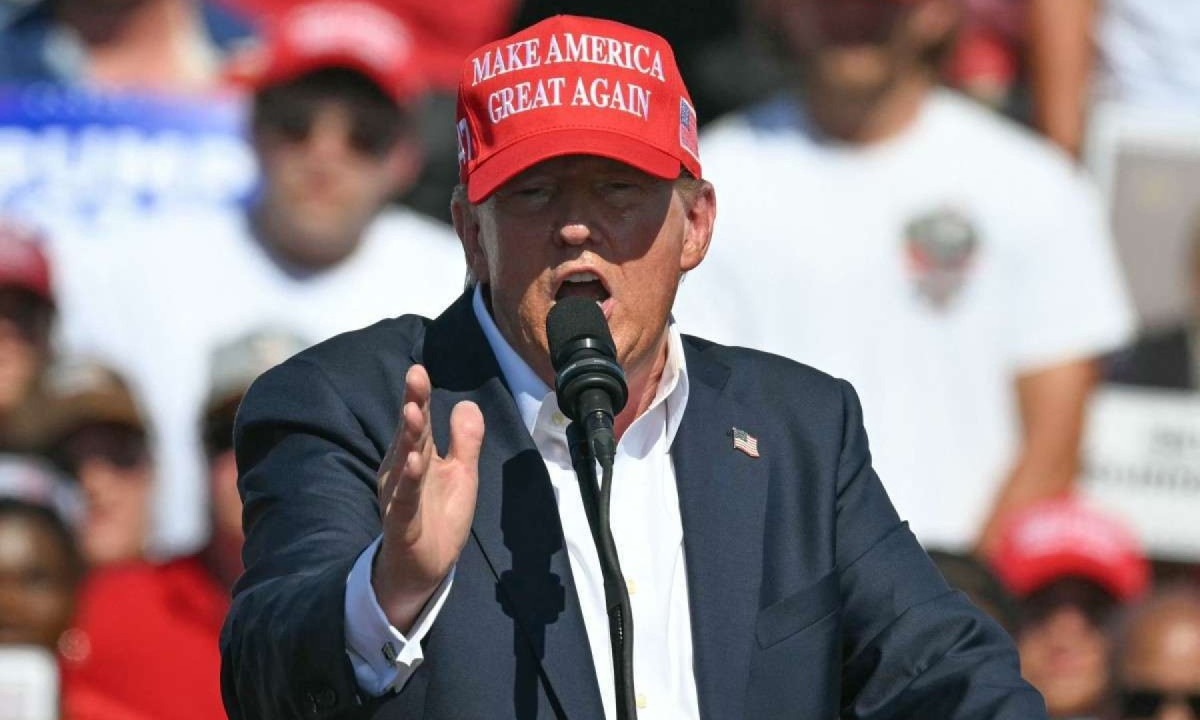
{"x": 591, "y": 389}
{"x": 589, "y": 383}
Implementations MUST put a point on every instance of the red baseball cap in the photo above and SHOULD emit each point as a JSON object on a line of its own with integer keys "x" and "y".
{"x": 360, "y": 36}
{"x": 23, "y": 262}
{"x": 1065, "y": 538}
{"x": 573, "y": 86}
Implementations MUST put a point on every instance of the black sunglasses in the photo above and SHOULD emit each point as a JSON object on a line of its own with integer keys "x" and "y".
{"x": 119, "y": 445}
{"x": 372, "y": 132}
{"x": 1096, "y": 603}
{"x": 1146, "y": 702}
{"x": 31, "y": 315}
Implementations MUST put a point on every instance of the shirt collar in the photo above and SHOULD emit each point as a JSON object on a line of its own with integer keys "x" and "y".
{"x": 531, "y": 393}
{"x": 526, "y": 387}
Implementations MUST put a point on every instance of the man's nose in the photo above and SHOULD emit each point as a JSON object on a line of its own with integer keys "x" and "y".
{"x": 575, "y": 233}
{"x": 329, "y": 136}
{"x": 576, "y": 224}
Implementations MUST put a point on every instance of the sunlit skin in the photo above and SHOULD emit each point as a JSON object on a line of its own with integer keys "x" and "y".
{"x": 37, "y": 582}
{"x": 579, "y": 214}
{"x": 1162, "y": 653}
{"x": 1065, "y": 656}
{"x": 320, "y": 192}
{"x": 564, "y": 217}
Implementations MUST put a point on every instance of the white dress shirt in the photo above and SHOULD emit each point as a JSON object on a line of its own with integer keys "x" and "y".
{"x": 646, "y": 527}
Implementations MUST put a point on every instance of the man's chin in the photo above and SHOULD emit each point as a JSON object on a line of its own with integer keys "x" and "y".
{"x": 863, "y": 71}
{"x": 319, "y": 242}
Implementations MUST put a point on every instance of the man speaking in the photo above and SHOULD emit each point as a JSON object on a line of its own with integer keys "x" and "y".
{"x": 428, "y": 534}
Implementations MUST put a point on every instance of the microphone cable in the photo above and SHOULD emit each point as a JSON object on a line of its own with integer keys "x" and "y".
{"x": 596, "y": 504}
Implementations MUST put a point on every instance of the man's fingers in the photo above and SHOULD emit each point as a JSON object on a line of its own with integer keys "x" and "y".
{"x": 466, "y": 434}
{"x": 416, "y": 385}
{"x": 414, "y": 429}
{"x": 417, "y": 390}
{"x": 399, "y": 477}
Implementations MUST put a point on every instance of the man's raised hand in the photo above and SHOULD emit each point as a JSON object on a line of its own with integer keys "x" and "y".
{"x": 426, "y": 502}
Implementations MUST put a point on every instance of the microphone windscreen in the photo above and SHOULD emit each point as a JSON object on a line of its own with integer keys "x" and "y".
{"x": 572, "y": 319}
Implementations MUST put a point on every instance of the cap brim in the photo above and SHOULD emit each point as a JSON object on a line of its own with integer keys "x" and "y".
{"x": 33, "y": 287}
{"x": 529, "y": 151}
{"x": 1123, "y": 578}
{"x": 284, "y": 72}
{"x": 70, "y": 415}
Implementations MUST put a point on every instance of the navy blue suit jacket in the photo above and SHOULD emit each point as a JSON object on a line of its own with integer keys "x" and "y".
{"x": 809, "y": 598}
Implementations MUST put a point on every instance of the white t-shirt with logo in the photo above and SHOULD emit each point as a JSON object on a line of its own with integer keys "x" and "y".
{"x": 156, "y": 303}
{"x": 929, "y": 270}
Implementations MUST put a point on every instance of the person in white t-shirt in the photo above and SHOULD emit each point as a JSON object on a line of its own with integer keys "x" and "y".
{"x": 950, "y": 265}
{"x": 317, "y": 252}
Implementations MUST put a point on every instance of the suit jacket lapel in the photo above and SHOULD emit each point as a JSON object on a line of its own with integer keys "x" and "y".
{"x": 722, "y": 500}
{"x": 516, "y": 523}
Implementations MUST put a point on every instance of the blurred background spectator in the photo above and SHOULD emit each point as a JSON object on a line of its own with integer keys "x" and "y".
{"x": 1071, "y": 568}
{"x": 1158, "y": 670}
{"x": 40, "y": 565}
{"x": 96, "y": 434}
{"x": 173, "y": 45}
{"x": 1131, "y": 53}
{"x": 40, "y": 570}
{"x": 26, "y": 318}
{"x": 233, "y": 367}
{"x": 148, "y": 630}
{"x": 965, "y": 306}
{"x": 319, "y": 249}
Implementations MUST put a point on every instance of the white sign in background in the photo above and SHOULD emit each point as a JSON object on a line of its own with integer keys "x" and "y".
{"x": 1142, "y": 462}
{"x": 83, "y": 161}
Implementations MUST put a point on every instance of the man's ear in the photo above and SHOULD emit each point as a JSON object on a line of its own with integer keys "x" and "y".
{"x": 700, "y": 208}
{"x": 466, "y": 223}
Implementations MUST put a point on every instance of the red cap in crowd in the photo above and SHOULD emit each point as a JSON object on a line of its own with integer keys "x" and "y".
{"x": 573, "y": 86}
{"x": 1064, "y": 538}
{"x": 23, "y": 262}
{"x": 310, "y": 36}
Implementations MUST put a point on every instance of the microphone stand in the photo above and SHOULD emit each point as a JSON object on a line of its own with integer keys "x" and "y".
{"x": 596, "y": 501}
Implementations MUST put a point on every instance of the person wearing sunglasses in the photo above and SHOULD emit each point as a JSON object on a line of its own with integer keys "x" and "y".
{"x": 95, "y": 433}
{"x": 334, "y": 132}
{"x": 27, "y": 314}
{"x": 1071, "y": 568}
{"x": 152, "y": 626}
{"x": 332, "y": 93}
{"x": 1158, "y": 658}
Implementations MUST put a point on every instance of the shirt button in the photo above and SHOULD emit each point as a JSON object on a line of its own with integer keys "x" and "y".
{"x": 631, "y": 586}
{"x": 641, "y": 701}
{"x": 559, "y": 419}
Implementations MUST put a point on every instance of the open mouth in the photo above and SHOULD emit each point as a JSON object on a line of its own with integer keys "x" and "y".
{"x": 584, "y": 284}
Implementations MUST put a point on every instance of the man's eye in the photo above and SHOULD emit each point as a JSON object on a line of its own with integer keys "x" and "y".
{"x": 531, "y": 191}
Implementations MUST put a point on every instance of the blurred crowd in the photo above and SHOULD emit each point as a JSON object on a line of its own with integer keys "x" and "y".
{"x": 950, "y": 203}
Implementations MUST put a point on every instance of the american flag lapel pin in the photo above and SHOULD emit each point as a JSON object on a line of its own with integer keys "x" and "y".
{"x": 744, "y": 442}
